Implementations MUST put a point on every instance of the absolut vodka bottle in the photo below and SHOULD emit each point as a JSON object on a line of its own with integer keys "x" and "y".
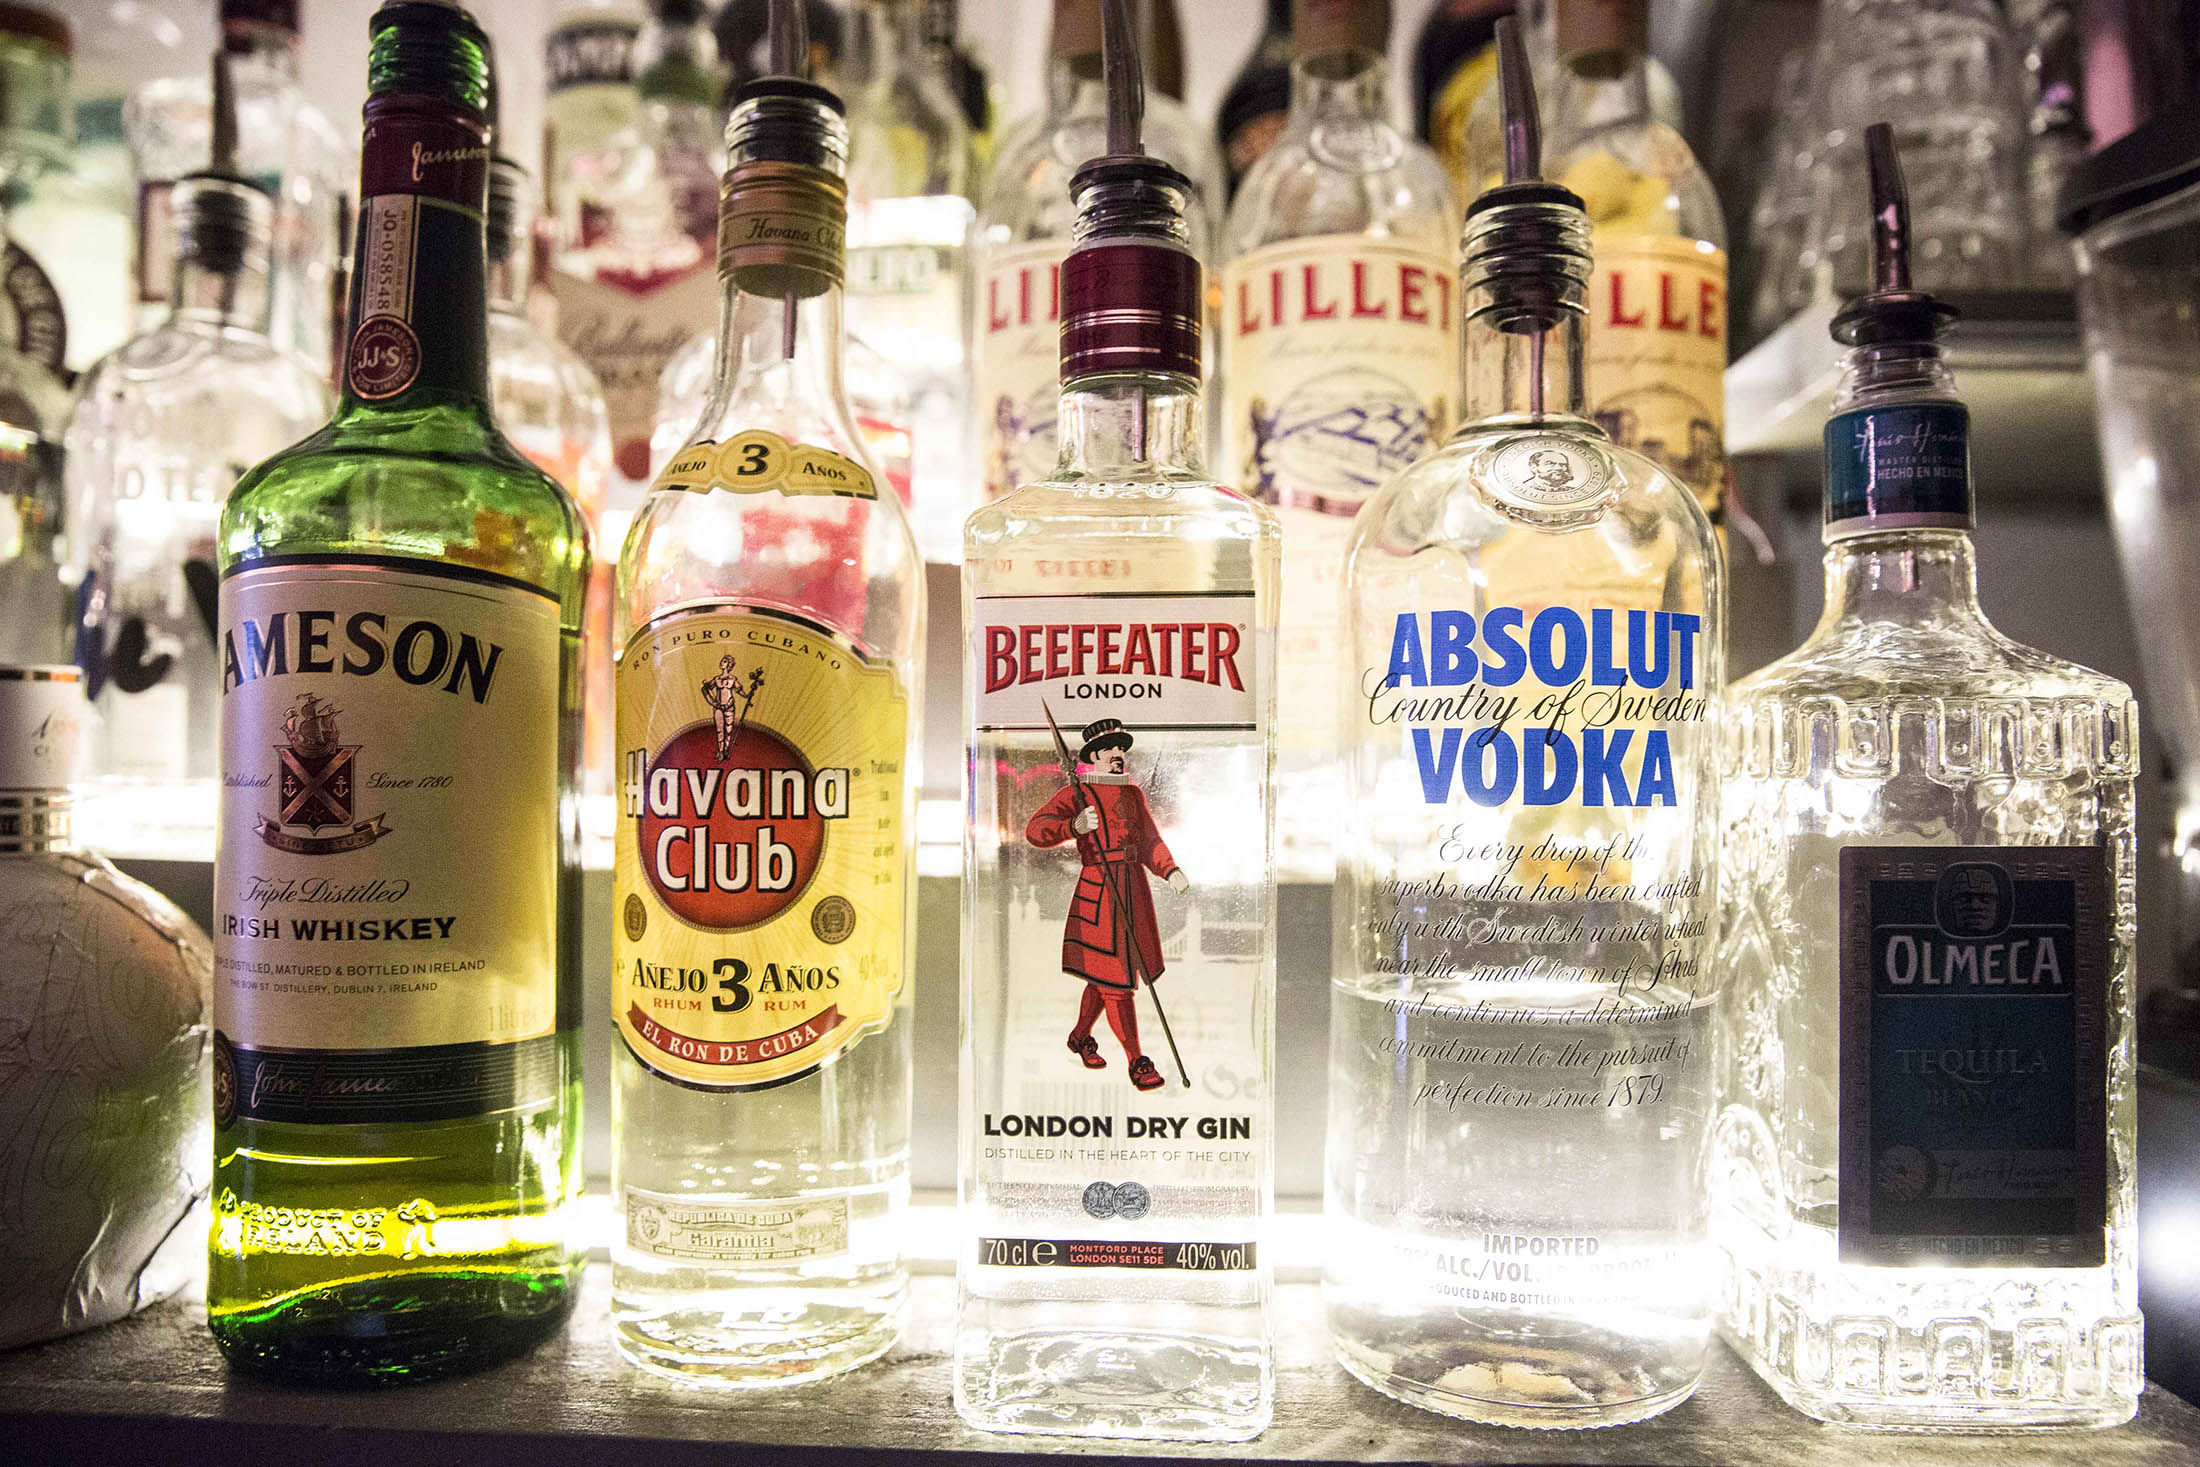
{"x": 1520, "y": 1089}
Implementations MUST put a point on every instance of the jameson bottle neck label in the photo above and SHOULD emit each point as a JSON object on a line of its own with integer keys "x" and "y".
{"x": 420, "y": 300}
{"x": 1125, "y": 1113}
{"x": 1974, "y": 1081}
{"x": 1906, "y": 467}
{"x": 385, "y": 902}
{"x": 1018, "y": 343}
{"x": 760, "y": 878}
{"x": 1657, "y": 355}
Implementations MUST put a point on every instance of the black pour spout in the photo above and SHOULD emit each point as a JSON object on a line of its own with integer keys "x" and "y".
{"x": 1892, "y": 311}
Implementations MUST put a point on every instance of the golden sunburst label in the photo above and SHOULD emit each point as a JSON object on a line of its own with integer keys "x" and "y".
{"x": 761, "y": 875}
{"x": 761, "y": 460}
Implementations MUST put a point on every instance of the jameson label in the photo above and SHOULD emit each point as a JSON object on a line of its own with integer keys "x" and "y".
{"x": 761, "y": 874}
{"x": 1974, "y": 1055}
{"x": 1153, "y": 662}
{"x": 626, "y": 331}
{"x": 1657, "y": 355}
{"x": 1906, "y": 467}
{"x": 759, "y": 461}
{"x": 1018, "y": 342}
{"x": 385, "y": 903}
{"x": 1340, "y": 358}
{"x": 769, "y": 1233}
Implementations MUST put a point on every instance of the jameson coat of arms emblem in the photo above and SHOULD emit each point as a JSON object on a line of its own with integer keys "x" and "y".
{"x": 316, "y": 784}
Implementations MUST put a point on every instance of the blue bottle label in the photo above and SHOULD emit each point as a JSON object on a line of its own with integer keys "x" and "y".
{"x": 1974, "y": 1053}
{"x": 1899, "y": 468}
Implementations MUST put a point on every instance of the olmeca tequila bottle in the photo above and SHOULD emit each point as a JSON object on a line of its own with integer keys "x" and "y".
{"x": 770, "y": 619}
{"x": 1520, "y": 1085}
{"x": 1924, "y": 1157}
{"x": 1119, "y": 963}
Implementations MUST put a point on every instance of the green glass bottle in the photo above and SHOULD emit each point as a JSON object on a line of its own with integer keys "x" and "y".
{"x": 397, "y": 1072}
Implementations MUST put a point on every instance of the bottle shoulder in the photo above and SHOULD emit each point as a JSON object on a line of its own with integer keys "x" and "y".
{"x": 1299, "y": 190}
{"x": 1639, "y": 177}
{"x": 202, "y": 364}
{"x": 1545, "y": 478}
{"x": 437, "y": 482}
{"x": 1161, "y": 508}
{"x": 1026, "y": 197}
{"x": 1950, "y": 658}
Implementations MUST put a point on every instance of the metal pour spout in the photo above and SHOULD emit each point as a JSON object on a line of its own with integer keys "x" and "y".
{"x": 787, "y": 24}
{"x": 1523, "y": 126}
{"x": 1122, "y": 74}
{"x": 1890, "y": 212}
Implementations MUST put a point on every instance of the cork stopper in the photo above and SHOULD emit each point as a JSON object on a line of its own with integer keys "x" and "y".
{"x": 1328, "y": 27}
{"x": 1593, "y": 27}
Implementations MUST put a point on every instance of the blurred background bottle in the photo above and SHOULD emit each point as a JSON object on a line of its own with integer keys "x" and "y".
{"x": 635, "y": 154}
{"x": 1023, "y": 235}
{"x": 1253, "y": 109}
{"x": 911, "y": 175}
{"x": 1657, "y": 299}
{"x": 1339, "y": 343}
{"x": 163, "y": 426}
{"x": 1454, "y": 63}
{"x": 285, "y": 143}
{"x": 34, "y": 406}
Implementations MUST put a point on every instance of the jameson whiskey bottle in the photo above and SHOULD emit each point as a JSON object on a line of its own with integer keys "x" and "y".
{"x": 1924, "y": 1161}
{"x": 1522, "y": 993}
{"x": 770, "y": 616}
{"x": 1340, "y": 359}
{"x": 397, "y": 1058}
{"x": 1119, "y": 963}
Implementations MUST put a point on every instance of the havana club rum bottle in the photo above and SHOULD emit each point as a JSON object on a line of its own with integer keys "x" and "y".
{"x": 396, "y": 877}
{"x": 1119, "y": 964}
{"x": 770, "y": 616}
{"x": 1340, "y": 359}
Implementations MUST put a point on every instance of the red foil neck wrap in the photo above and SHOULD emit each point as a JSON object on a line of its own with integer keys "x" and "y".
{"x": 1130, "y": 306}
{"x": 425, "y": 146}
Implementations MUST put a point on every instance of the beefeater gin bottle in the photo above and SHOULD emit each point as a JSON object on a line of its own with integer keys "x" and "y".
{"x": 1118, "y": 980}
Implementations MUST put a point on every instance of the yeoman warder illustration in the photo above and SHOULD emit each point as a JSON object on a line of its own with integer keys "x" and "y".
{"x": 1110, "y": 939}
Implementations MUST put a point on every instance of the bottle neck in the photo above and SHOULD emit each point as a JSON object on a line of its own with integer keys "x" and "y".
{"x": 1601, "y": 89}
{"x": 1339, "y": 86}
{"x": 1902, "y": 577}
{"x": 889, "y": 36}
{"x": 266, "y": 48}
{"x": 1136, "y": 425}
{"x": 1513, "y": 375}
{"x": 33, "y": 821}
{"x": 419, "y": 305}
{"x": 205, "y": 296}
{"x": 766, "y": 369}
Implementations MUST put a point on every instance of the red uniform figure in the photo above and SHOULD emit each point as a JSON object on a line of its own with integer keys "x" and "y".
{"x": 1116, "y": 840}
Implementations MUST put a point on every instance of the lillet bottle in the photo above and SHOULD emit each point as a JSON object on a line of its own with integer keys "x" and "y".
{"x": 1924, "y": 1164}
{"x": 1119, "y": 959}
{"x": 396, "y": 929}
{"x": 769, "y": 616}
{"x": 1519, "y": 1075}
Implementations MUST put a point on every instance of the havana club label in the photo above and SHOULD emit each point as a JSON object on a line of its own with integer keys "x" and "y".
{"x": 759, "y": 460}
{"x": 1340, "y": 361}
{"x": 1657, "y": 355}
{"x": 1974, "y": 1055}
{"x": 1017, "y": 373}
{"x": 385, "y": 880}
{"x": 761, "y": 875}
